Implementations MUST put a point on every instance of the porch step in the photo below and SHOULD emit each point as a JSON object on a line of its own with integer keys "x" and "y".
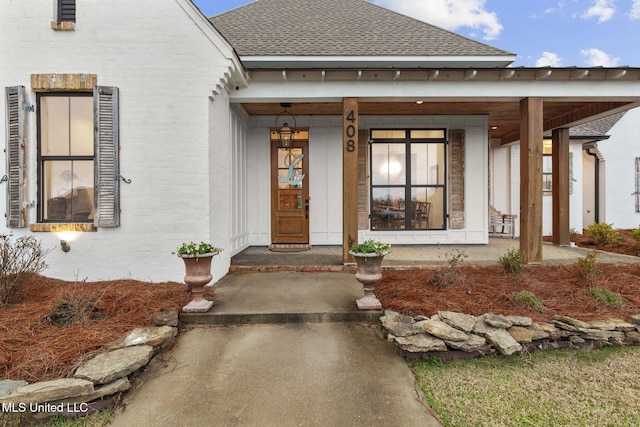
{"x": 212, "y": 318}
{"x": 284, "y": 297}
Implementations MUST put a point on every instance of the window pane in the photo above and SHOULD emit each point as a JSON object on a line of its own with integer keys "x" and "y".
{"x": 388, "y": 208}
{"x": 433, "y": 134}
{"x": 388, "y": 164}
{"x": 54, "y": 125}
{"x": 427, "y": 164}
{"x": 81, "y": 125}
{"x": 68, "y": 190}
{"x": 435, "y": 198}
{"x": 388, "y": 134}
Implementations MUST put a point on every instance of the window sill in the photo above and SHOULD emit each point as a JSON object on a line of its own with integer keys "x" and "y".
{"x": 63, "y": 26}
{"x": 63, "y": 226}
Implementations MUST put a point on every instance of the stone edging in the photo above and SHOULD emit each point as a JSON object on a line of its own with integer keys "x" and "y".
{"x": 450, "y": 335}
{"x": 96, "y": 380}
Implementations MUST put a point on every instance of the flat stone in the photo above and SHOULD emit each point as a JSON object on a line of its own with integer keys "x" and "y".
{"x": 613, "y": 325}
{"x": 520, "y": 320}
{"x": 422, "y": 343}
{"x": 47, "y": 391}
{"x": 566, "y": 326}
{"x": 107, "y": 367}
{"x": 520, "y": 334}
{"x": 461, "y": 321}
{"x": 118, "y": 386}
{"x": 9, "y": 386}
{"x": 633, "y": 336}
{"x": 392, "y": 316}
{"x": 155, "y": 336}
{"x": 576, "y": 339}
{"x": 443, "y": 331}
{"x": 497, "y": 320}
{"x": 571, "y": 321}
{"x": 635, "y": 318}
{"x": 167, "y": 317}
{"x": 544, "y": 326}
{"x": 400, "y": 329}
{"x": 598, "y": 335}
{"x": 497, "y": 337}
{"x": 538, "y": 334}
{"x": 474, "y": 343}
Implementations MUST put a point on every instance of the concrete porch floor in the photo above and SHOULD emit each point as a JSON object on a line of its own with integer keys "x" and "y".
{"x": 411, "y": 255}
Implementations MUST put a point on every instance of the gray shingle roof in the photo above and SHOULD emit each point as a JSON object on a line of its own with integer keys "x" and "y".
{"x": 598, "y": 127}
{"x": 338, "y": 28}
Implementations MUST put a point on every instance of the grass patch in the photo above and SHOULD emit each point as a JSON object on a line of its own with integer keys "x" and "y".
{"x": 99, "y": 419}
{"x": 547, "y": 388}
{"x": 527, "y": 299}
{"x": 606, "y": 296}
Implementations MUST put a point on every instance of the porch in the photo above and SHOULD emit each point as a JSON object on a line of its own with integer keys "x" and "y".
{"x": 329, "y": 258}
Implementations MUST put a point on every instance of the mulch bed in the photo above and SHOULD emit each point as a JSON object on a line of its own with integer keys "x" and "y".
{"x": 49, "y": 326}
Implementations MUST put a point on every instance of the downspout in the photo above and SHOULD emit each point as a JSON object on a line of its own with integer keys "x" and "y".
{"x": 596, "y": 185}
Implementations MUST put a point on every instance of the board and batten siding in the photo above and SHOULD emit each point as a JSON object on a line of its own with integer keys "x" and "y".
{"x": 325, "y": 174}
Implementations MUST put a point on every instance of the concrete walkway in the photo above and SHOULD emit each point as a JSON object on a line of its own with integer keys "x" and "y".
{"x": 311, "y": 373}
{"x": 293, "y": 355}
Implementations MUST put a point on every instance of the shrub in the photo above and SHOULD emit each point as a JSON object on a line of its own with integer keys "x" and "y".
{"x": 513, "y": 261}
{"x": 443, "y": 277}
{"x": 527, "y": 298}
{"x": 635, "y": 235}
{"x": 606, "y": 296}
{"x": 19, "y": 260}
{"x": 586, "y": 268}
{"x": 602, "y": 234}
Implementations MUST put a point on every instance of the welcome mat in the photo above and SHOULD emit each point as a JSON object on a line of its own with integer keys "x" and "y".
{"x": 289, "y": 247}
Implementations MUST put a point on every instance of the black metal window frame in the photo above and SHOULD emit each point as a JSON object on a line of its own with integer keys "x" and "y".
{"x": 43, "y": 159}
{"x": 407, "y": 141}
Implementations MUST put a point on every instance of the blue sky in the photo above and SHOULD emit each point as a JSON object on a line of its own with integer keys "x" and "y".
{"x": 559, "y": 33}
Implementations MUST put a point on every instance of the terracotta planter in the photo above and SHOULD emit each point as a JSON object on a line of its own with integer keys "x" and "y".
{"x": 198, "y": 274}
{"x": 369, "y": 272}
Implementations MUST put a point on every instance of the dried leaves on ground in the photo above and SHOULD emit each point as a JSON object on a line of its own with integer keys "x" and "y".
{"x": 489, "y": 289}
{"x": 50, "y": 326}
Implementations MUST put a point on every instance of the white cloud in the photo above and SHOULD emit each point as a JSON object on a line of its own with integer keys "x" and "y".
{"x": 603, "y": 10}
{"x": 449, "y": 14}
{"x": 596, "y": 58}
{"x": 549, "y": 59}
{"x": 635, "y": 10}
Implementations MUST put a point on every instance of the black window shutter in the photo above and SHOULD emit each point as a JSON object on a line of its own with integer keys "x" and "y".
{"x": 107, "y": 193}
{"x": 15, "y": 144}
{"x": 67, "y": 10}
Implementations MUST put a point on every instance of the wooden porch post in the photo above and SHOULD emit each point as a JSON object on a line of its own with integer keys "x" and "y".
{"x": 349, "y": 177}
{"x": 560, "y": 186}
{"x": 531, "y": 135}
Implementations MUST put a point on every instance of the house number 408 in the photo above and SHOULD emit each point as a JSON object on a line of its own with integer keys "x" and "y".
{"x": 350, "y": 132}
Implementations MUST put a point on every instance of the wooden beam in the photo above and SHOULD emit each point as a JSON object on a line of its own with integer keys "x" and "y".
{"x": 531, "y": 134}
{"x": 560, "y": 185}
{"x": 349, "y": 177}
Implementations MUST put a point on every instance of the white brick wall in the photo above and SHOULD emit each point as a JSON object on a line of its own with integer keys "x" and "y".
{"x": 620, "y": 152}
{"x": 166, "y": 69}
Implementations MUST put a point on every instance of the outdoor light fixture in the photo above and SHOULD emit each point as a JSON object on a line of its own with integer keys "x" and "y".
{"x": 285, "y": 132}
{"x": 65, "y": 246}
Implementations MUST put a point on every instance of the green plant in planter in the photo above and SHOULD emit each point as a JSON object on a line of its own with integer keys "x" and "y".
{"x": 192, "y": 249}
{"x": 371, "y": 247}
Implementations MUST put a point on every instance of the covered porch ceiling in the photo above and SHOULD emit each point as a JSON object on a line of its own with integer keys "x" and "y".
{"x": 504, "y": 117}
{"x": 494, "y": 93}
